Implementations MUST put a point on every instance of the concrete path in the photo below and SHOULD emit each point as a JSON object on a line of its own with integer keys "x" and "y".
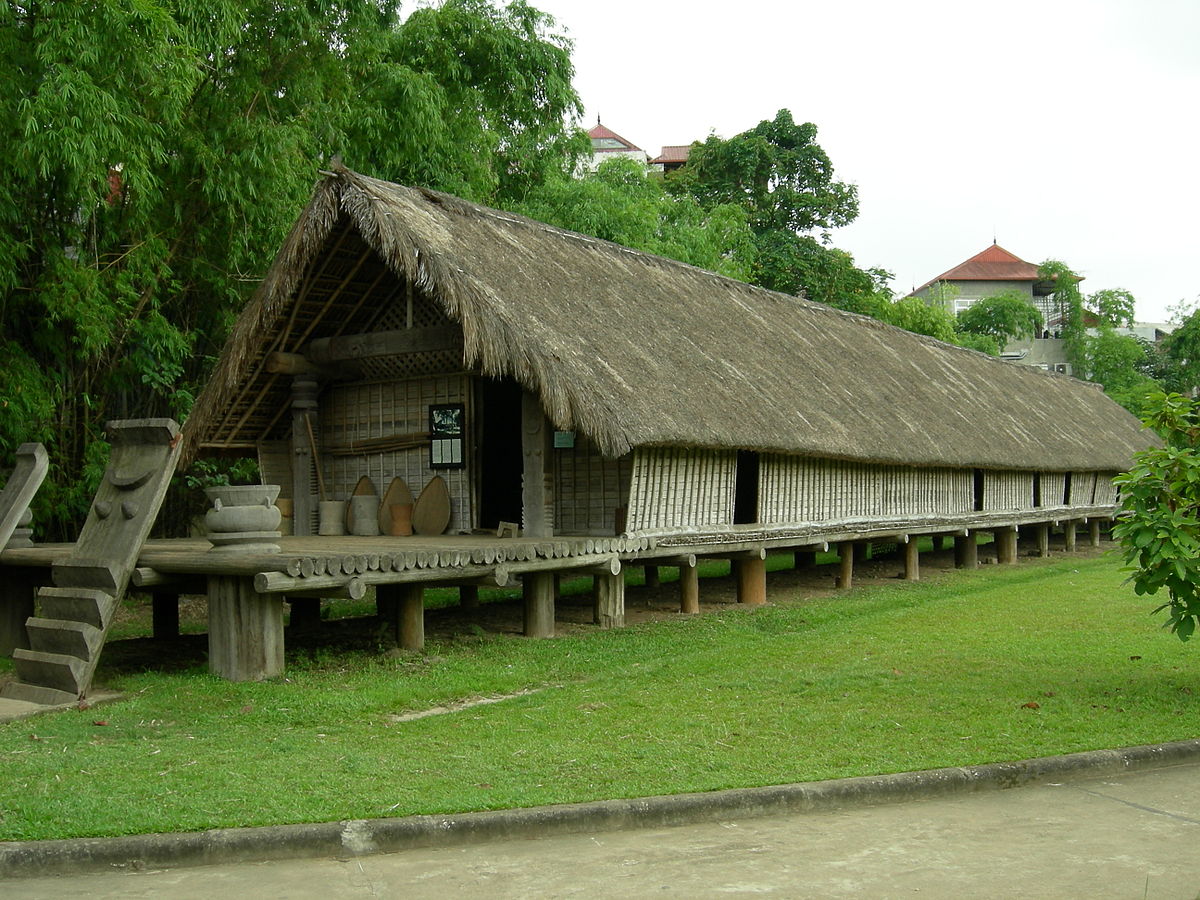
{"x": 1133, "y": 835}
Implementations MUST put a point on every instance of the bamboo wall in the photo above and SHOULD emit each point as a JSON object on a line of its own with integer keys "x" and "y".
{"x": 795, "y": 489}
{"x": 673, "y": 487}
{"x": 1054, "y": 488}
{"x": 1007, "y": 490}
{"x": 1083, "y": 489}
{"x": 356, "y": 412}
{"x": 1106, "y": 491}
{"x": 588, "y": 489}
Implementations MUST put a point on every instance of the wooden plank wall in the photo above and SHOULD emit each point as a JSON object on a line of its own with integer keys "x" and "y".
{"x": 588, "y": 488}
{"x": 370, "y": 410}
{"x": 1007, "y": 490}
{"x": 795, "y": 489}
{"x": 673, "y": 487}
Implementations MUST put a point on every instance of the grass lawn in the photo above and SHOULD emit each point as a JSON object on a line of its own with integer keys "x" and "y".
{"x": 996, "y": 664}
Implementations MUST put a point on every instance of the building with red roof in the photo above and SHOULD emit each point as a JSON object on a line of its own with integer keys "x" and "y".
{"x": 606, "y": 144}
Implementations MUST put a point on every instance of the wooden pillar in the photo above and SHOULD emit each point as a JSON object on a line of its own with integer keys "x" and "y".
{"x": 537, "y": 588}
{"x": 245, "y": 630}
{"x": 804, "y": 559}
{"x": 18, "y": 587}
{"x": 304, "y": 404}
{"x": 306, "y": 613}
{"x": 412, "y": 617}
{"x": 1094, "y": 532}
{"x": 689, "y": 588}
{"x": 653, "y": 578}
{"x": 164, "y": 613}
{"x": 966, "y": 551}
{"x": 536, "y": 488}
{"x": 1069, "y": 535}
{"x": 468, "y": 596}
{"x": 1006, "y": 545}
{"x": 912, "y": 560}
{"x": 846, "y": 569}
{"x": 610, "y": 601}
{"x": 1043, "y": 540}
{"x": 751, "y": 581}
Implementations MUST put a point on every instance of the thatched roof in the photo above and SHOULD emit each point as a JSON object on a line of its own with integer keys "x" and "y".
{"x": 633, "y": 349}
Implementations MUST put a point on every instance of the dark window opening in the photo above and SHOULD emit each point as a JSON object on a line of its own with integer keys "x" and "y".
{"x": 1067, "y": 490}
{"x": 1037, "y": 489}
{"x": 745, "y": 492}
{"x": 498, "y": 423}
{"x": 978, "y": 505}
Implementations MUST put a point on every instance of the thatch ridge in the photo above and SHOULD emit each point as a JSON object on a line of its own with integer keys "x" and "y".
{"x": 634, "y": 349}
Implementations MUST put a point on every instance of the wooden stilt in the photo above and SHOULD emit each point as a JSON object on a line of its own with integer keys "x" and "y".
{"x": 912, "y": 560}
{"x": 966, "y": 551}
{"x": 846, "y": 569}
{"x": 412, "y": 617}
{"x": 245, "y": 630}
{"x": 164, "y": 613}
{"x": 1043, "y": 540}
{"x": 610, "y": 601}
{"x": 1094, "y": 532}
{"x": 752, "y": 581}
{"x": 538, "y": 591}
{"x": 1069, "y": 535}
{"x": 468, "y": 596}
{"x": 689, "y": 588}
{"x": 17, "y": 590}
{"x": 1006, "y": 545}
{"x": 653, "y": 579}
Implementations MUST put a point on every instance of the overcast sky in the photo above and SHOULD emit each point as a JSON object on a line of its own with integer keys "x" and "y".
{"x": 1066, "y": 130}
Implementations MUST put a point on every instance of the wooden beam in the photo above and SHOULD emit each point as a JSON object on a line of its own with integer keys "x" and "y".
{"x": 324, "y": 351}
{"x": 280, "y": 363}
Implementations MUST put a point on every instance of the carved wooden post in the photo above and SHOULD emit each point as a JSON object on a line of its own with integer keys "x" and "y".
{"x": 689, "y": 588}
{"x": 304, "y": 404}
{"x": 610, "y": 600}
{"x": 536, "y": 489}
{"x": 245, "y": 630}
{"x": 537, "y": 589}
{"x": 912, "y": 560}
{"x": 846, "y": 567}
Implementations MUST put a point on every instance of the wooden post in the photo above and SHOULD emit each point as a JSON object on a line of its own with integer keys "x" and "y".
{"x": 1006, "y": 545}
{"x": 804, "y": 559}
{"x": 537, "y": 589}
{"x": 653, "y": 579}
{"x": 610, "y": 600}
{"x": 912, "y": 560}
{"x": 689, "y": 588}
{"x": 164, "y": 612}
{"x": 1069, "y": 535}
{"x": 306, "y": 613}
{"x": 846, "y": 569}
{"x": 468, "y": 596}
{"x": 245, "y": 630}
{"x": 536, "y": 488}
{"x": 17, "y": 589}
{"x": 1094, "y": 532}
{"x": 966, "y": 551}
{"x": 412, "y": 617}
{"x": 304, "y": 403}
{"x": 752, "y": 581}
{"x": 1043, "y": 539}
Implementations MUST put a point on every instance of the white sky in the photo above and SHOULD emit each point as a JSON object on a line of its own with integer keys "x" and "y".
{"x": 1066, "y": 129}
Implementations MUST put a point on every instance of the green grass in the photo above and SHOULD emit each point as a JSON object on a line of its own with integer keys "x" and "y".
{"x": 899, "y": 677}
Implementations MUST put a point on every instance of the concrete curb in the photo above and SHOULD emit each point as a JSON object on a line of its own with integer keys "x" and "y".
{"x": 365, "y": 836}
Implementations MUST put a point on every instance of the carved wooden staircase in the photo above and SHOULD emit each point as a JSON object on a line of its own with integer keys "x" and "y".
{"x": 74, "y": 616}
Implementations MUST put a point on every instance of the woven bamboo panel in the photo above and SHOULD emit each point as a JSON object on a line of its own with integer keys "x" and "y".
{"x": 679, "y": 488}
{"x": 795, "y": 489}
{"x": 275, "y": 465}
{"x": 588, "y": 488}
{"x": 1083, "y": 489}
{"x": 1007, "y": 490}
{"x": 1106, "y": 491}
{"x": 352, "y": 413}
{"x": 1054, "y": 488}
{"x": 410, "y": 309}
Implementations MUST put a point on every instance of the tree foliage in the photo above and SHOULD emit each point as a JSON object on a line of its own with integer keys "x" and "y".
{"x": 1005, "y": 317}
{"x": 157, "y": 151}
{"x": 1159, "y": 521}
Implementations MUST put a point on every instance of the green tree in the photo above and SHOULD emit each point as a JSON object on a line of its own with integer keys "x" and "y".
{"x": 620, "y": 203}
{"x": 1005, "y": 317}
{"x": 1159, "y": 522}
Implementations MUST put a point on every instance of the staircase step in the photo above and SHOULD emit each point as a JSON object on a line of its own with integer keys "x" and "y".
{"x": 76, "y": 604}
{"x": 60, "y": 636}
{"x": 35, "y": 693}
{"x": 53, "y": 670}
